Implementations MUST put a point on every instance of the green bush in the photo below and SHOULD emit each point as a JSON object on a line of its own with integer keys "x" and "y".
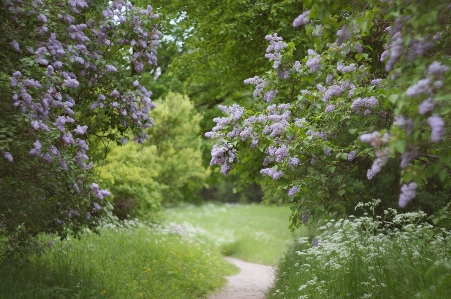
{"x": 165, "y": 170}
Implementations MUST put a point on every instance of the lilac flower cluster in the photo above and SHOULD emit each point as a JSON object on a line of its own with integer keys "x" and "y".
{"x": 279, "y": 116}
{"x": 259, "y": 85}
{"x": 313, "y": 61}
{"x": 275, "y": 46}
{"x": 382, "y": 154}
{"x": 343, "y": 34}
{"x": 274, "y": 174}
{"x": 346, "y": 68}
{"x": 351, "y": 155}
{"x": 368, "y": 103}
{"x": 223, "y": 155}
{"x": 419, "y": 88}
{"x": 410, "y": 153}
{"x": 302, "y": 19}
{"x": 426, "y": 106}
{"x": 293, "y": 190}
{"x": 418, "y": 47}
{"x": 437, "y": 127}
{"x": 437, "y": 69}
{"x": 335, "y": 90}
{"x": 404, "y": 123}
{"x": 408, "y": 192}
{"x": 100, "y": 194}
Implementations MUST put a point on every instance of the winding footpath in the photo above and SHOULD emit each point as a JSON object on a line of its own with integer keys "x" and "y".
{"x": 251, "y": 283}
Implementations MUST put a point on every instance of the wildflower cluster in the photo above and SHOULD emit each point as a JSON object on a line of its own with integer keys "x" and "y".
{"x": 362, "y": 256}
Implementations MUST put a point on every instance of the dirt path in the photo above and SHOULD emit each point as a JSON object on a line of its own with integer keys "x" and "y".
{"x": 251, "y": 283}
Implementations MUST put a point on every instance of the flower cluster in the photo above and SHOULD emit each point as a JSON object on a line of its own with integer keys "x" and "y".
{"x": 273, "y": 51}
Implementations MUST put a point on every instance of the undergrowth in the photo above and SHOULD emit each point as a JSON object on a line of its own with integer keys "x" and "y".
{"x": 134, "y": 262}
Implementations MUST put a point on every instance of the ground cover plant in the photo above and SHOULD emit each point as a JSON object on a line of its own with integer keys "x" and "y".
{"x": 396, "y": 255}
{"x": 132, "y": 262}
{"x": 255, "y": 233}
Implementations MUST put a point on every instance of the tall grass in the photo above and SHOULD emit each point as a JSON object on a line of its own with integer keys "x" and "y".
{"x": 394, "y": 256}
{"x": 120, "y": 263}
{"x": 255, "y": 233}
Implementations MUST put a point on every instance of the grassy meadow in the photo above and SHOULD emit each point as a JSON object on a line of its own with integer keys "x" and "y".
{"x": 134, "y": 262}
{"x": 255, "y": 233}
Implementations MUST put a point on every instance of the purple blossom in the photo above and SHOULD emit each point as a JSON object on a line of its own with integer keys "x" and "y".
{"x": 408, "y": 192}
{"x": 421, "y": 87}
{"x": 81, "y": 130}
{"x": 437, "y": 69}
{"x": 293, "y": 190}
{"x": 376, "y": 81}
{"x": 358, "y": 47}
{"x": 315, "y": 242}
{"x": 437, "y": 126}
{"x": 274, "y": 174}
{"x": 259, "y": 85}
{"x": 419, "y": 47}
{"x": 111, "y": 68}
{"x": 313, "y": 61}
{"x": 330, "y": 108}
{"x": 71, "y": 83}
{"x": 42, "y": 18}
{"x": 8, "y": 156}
{"x": 343, "y": 34}
{"x": 269, "y": 95}
{"x": 329, "y": 78}
{"x": 297, "y": 66}
{"x": 327, "y": 151}
{"x": 293, "y": 161}
{"x": 302, "y": 19}
{"x": 305, "y": 217}
{"x": 426, "y": 106}
{"x": 351, "y": 156}
{"x": 15, "y": 45}
{"x": 96, "y": 207}
{"x": 410, "y": 153}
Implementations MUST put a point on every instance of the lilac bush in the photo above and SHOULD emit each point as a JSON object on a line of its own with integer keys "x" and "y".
{"x": 347, "y": 109}
{"x": 74, "y": 76}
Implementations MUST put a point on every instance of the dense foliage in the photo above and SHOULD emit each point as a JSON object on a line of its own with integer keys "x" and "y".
{"x": 365, "y": 105}
{"x": 69, "y": 74}
{"x": 166, "y": 169}
{"x": 396, "y": 255}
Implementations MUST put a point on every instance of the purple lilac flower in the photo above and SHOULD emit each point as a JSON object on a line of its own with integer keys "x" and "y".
{"x": 81, "y": 130}
{"x": 421, "y": 87}
{"x": 404, "y": 123}
{"x": 293, "y": 161}
{"x": 302, "y": 19}
{"x": 275, "y": 46}
{"x": 293, "y": 190}
{"x": 15, "y": 45}
{"x": 269, "y": 95}
{"x": 330, "y": 108}
{"x": 408, "y": 192}
{"x": 71, "y": 83}
{"x": 437, "y": 69}
{"x": 313, "y": 61}
{"x": 329, "y": 78}
{"x": 419, "y": 47}
{"x": 297, "y": 66}
{"x": 351, "y": 156}
{"x": 343, "y": 34}
{"x": 327, "y": 151}
{"x": 410, "y": 153}
{"x": 376, "y": 81}
{"x": 358, "y": 47}
{"x": 426, "y": 106}
{"x": 259, "y": 84}
{"x": 8, "y": 156}
{"x": 42, "y": 18}
{"x": 274, "y": 174}
{"x": 111, "y": 68}
{"x": 96, "y": 207}
{"x": 315, "y": 242}
{"x": 305, "y": 217}
{"x": 360, "y": 103}
{"x": 437, "y": 126}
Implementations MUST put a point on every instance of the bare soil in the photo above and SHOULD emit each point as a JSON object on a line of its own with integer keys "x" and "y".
{"x": 252, "y": 282}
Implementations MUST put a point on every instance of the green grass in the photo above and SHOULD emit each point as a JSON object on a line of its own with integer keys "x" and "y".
{"x": 120, "y": 263}
{"x": 399, "y": 258}
{"x": 254, "y": 233}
